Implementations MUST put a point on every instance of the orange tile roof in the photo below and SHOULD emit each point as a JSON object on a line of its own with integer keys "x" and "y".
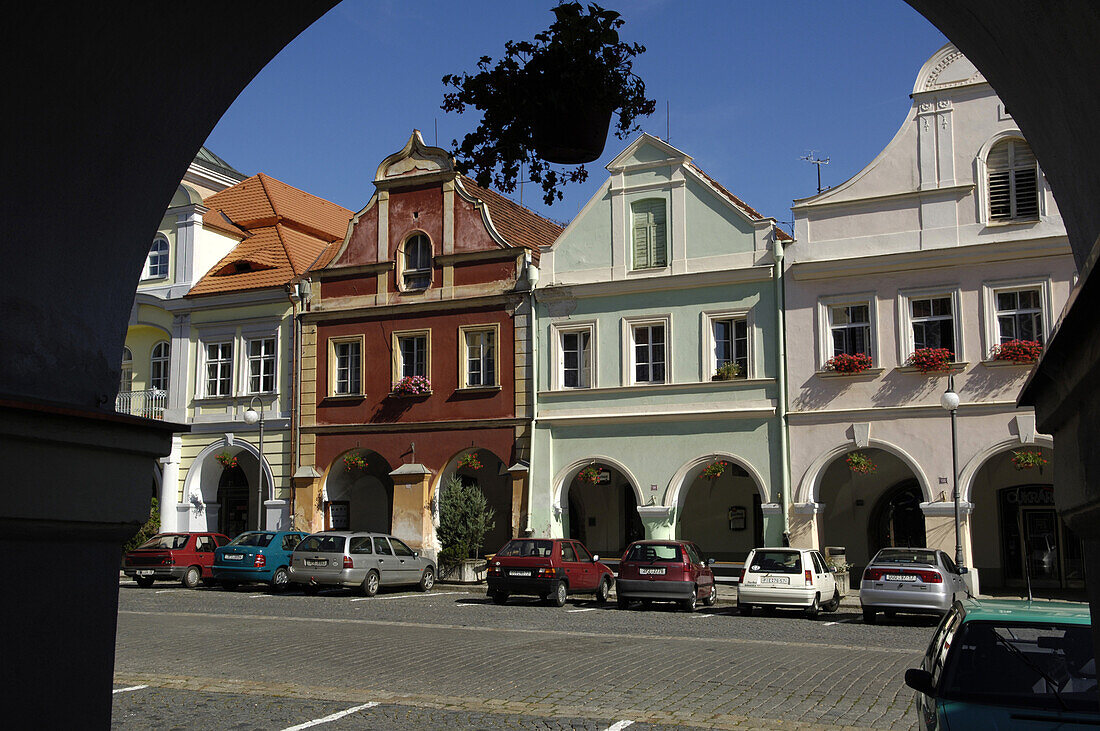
{"x": 284, "y": 229}
{"x": 518, "y": 225}
{"x": 749, "y": 210}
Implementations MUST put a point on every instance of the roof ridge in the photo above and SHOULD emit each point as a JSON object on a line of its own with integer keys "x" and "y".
{"x": 267, "y": 194}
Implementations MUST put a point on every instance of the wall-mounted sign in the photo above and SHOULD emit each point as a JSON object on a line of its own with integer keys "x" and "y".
{"x": 604, "y": 478}
{"x": 738, "y": 517}
{"x": 337, "y": 515}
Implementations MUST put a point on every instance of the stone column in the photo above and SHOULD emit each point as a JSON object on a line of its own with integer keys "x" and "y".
{"x": 412, "y": 508}
{"x": 519, "y": 474}
{"x": 657, "y": 520}
{"x": 168, "y": 498}
{"x": 939, "y": 533}
{"x": 306, "y": 484}
{"x": 805, "y": 525}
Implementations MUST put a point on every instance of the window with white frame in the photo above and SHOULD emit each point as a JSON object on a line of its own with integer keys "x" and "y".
{"x": 731, "y": 342}
{"x": 219, "y": 368}
{"x": 1019, "y": 314}
{"x": 158, "y": 367}
{"x": 261, "y": 365}
{"x": 649, "y": 234}
{"x": 1013, "y": 182}
{"x": 412, "y": 355}
{"x": 479, "y": 357}
{"x": 933, "y": 322}
{"x": 126, "y": 381}
{"x": 649, "y": 352}
{"x": 575, "y": 366}
{"x": 416, "y": 272}
{"x": 850, "y": 328}
{"x": 346, "y": 371}
{"x": 156, "y": 265}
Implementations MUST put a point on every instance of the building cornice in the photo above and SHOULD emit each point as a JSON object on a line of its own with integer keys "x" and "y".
{"x": 957, "y": 191}
{"x": 654, "y": 414}
{"x": 342, "y": 272}
{"x": 903, "y": 412}
{"x": 466, "y": 257}
{"x": 415, "y": 426}
{"x": 657, "y": 388}
{"x": 686, "y": 280}
{"x": 348, "y": 308}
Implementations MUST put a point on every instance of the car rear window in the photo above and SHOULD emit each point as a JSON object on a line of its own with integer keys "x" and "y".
{"x": 323, "y": 544}
{"x": 527, "y": 547}
{"x": 252, "y": 539}
{"x": 905, "y": 555}
{"x": 776, "y": 562}
{"x": 171, "y": 541}
{"x": 654, "y": 552}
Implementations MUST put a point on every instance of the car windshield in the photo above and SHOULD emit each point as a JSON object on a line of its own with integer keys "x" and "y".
{"x": 527, "y": 547}
{"x": 252, "y": 539}
{"x": 905, "y": 555}
{"x": 1047, "y": 666}
{"x": 171, "y": 541}
{"x": 322, "y": 544}
{"x": 650, "y": 552}
{"x": 776, "y": 562}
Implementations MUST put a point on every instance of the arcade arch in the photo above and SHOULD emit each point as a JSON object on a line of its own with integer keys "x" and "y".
{"x": 598, "y": 499}
{"x": 357, "y": 492}
{"x": 721, "y": 514}
{"x": 220, "y": 492}
{"x": 481, "y": 467}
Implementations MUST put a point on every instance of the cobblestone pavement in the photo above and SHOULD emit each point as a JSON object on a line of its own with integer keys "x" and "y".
{"x": 248, "y": 659}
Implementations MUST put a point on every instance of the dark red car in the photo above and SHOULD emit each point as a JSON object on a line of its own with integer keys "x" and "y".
{"x": 183, "y": 557}
{"x": 548, "y": 567}
{"x": 666, "y": 571}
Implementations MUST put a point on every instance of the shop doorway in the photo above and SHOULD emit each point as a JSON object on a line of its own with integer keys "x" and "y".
{"x": 897, "y": 519}
{"x": 233, "y": 498}
{"x": 1035, "y": 539}
{"x": 603, "y": 511}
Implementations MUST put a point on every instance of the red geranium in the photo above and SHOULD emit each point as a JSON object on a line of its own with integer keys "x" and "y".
{"x": 845, "y": 363}
{"x": 1018, "y": 351}
{"x": 931, "y": 360}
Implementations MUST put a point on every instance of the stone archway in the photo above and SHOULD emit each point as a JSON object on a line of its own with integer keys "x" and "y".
{"x": 599, "y": 502}
{"x": 722, "y": 514}
{"x": 481, "y": 467}
{"x": 357, "y": 492}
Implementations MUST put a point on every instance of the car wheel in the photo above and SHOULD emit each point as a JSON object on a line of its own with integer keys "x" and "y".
{"x": 557, "y": 596}
{"x": 814, "y": 608}
{"x": 229, "y": 585}
{"x": 427, "y": 579}
{"x": 603, "y": 590}
{"x": 191, "y": 577}
{"x": 499, "y": 597}
{"x": 622, "y": 602}
{"x": 834, "y": 603}
{"x": 689, "y": 604}
{"x": 745, "y": 609}
{"x": 144, "y": 581}
{"x": 311, "y": 589}
{"x": 370, "y": 584}
{"x": 712, "y": 597}
{"x": 280, "y": 580}
{"x": 868, "y": 616}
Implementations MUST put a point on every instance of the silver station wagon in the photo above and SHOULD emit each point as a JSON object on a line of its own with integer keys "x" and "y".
{"x": 915, "y": 580}
{"x": 365, "y": 561}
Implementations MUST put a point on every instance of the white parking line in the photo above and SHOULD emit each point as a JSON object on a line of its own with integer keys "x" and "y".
{"x": 258, "y": 596}
{"x": 698, "y": 615}
{"x": 333, "y": 717}
{"x": 162, "y": 591}
{"x": 619, "y": 725}
{"x": 841, "y": 621}
{"x": 405, "y": 596}
{"x": 589, "y": 609}
{"x": 125, "y": 690}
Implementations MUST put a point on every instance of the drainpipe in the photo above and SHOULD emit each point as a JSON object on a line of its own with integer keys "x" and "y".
{"x": 295, "y": 372}
{"x": 531, "y": 274}
{"x": 781, "y": 383}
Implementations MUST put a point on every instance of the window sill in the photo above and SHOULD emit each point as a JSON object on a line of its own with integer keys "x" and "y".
{"x": 956, "y": 367}
{"x": 1017, "y": 222}
{"x": 650, "y": 271}
{"x": 478, "y": 389}
{"x": 345, "y": 397}
{"x": 395, "y": 394}
{"x": 1007, "y": 364}
{"x": 865, "y": 373}
{"x": 416, "y": 290}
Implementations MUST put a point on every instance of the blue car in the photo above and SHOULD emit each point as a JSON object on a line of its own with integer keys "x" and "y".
{"x": 996, "y": 664}
{"x": 256, "y": 556}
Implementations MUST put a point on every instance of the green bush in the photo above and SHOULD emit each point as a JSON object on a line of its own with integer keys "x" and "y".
{"x": 150, "y": 529}
{"x": 464, "y": 519}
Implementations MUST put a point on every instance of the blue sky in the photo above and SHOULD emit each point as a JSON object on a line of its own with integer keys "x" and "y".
{"x": 751, "y": 87}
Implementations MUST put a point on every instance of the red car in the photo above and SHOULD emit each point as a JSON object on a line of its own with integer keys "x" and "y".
{"x": 183, "y": 557}
{"x": 548, "y": 567}
{"x": 666, "y": 571}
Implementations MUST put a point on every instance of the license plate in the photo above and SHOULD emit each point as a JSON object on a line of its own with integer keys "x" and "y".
{"x": 902, "y": 577}
{"x": 775, "y": 579}
{"x": 652, "y": 572}
{"x": 519, "y": 573}
{"x": 144, "y": 572}
{"x": 233, "y": 556}
{"x": 316, "y": 562}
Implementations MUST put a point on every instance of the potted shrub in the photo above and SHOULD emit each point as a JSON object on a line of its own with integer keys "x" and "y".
{"x": 860, "y": 463}
{"x": 549, "y": 100}
{"x": 931, "y": 360}
{"x": 354, "y": 461}
{"x": 464, "y": 519}
{"x": 470, "y": 460}
{"x": 590, "y": 474}
{"x": 727, "y": 371}
{"x": 714, "y": 470}
{"x": 227, "y": 460}
{"x": 1018, "y": 351}
{"x": 1027, "y": 459}
{"x": 850, "y": 364}
{"x": 412, "y": 386}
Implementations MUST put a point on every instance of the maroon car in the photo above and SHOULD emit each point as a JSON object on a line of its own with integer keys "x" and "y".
{"x": 666, "y": 571}
{"x": 183, "y": 557}
{"x": 548, "y": 567}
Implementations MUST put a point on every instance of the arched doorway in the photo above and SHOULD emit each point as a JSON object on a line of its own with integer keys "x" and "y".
{"x": 221, "y": 489}
{"x": 602, "y": 510}
{"x": 489, "y": 473}
{"x": 234, "y": 505}
{"x": 897, "y": 518}
{"x": 358, "y": 492}
{"x": 721, "y": 514}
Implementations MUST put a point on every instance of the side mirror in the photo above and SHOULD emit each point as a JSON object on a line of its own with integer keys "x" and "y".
{"x": 595, "y": 557}
{"x": 963, "y": 570}
{"x": 919, "y": 680}
{"x": 416, "y": 554}
{"x": 710, "y": 562}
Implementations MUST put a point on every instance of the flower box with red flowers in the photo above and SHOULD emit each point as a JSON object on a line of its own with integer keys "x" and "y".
{"x": 590, "y": 475}
{"x": 470, "y": 461}
{"x": 354, "y": 462}
{"x": 1027, "y": 459}
{"x": 852, "y": 364}
{"x": 931, "y": 360}
{"x": 1018, "y": 351}
{"x": 412, "y": 386}
{"x": 714, "y": 470}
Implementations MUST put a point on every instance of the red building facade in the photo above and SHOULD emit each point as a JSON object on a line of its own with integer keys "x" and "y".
{"x": 417, "y": 363}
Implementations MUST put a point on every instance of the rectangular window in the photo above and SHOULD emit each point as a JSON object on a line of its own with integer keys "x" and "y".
{"x": 480, "y": 358}
{"x": 649, "y": 234}
{"x": 576, "y": 358}
{"x": 851, "y": 329}
{"x": 731, "y": 343}
{"x": 219, "y": 369}
{"x": 1019, "y": 315}
{"x": 347, "y": 357}
{"x": 649, "y": 353}
{"x": 933, "y": 322}
{"x": 261, "y": 365}
{"x": 413, "y": 350}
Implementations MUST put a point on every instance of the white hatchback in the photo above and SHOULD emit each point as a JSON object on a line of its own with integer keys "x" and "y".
{"x": 787, "y": 577}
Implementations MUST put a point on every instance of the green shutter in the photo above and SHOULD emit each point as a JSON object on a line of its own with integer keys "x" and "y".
{"x": 649, "y": 234}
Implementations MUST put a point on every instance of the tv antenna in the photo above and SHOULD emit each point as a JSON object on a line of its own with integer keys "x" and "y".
{"x": 812, "y": 158}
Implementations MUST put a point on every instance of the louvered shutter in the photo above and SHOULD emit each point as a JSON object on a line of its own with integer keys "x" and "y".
{"x": 649, "y": 234}
{"x": 1013, "y": 182}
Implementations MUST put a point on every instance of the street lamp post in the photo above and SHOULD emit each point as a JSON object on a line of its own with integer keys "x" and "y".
{"x": 251, "y": 416}
{"x": 950, "y": 401}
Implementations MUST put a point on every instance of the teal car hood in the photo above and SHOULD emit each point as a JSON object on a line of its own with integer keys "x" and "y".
{"x": 961, "y": 715}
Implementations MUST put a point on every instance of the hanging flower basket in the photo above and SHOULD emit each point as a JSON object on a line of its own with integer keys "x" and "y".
{"x": 1026, "y": 459}
{"x": 227, "y": 460}
{"x": 470, "y": 460}
{"x": 859, "y": 463}
{"x": 1018, "y": 351}
{"x": 590, "y": 475}
{"x": 931, "y": 360}
{"x": 412, "y": 386}
{"x": 354, "y": 461}
{"x": 714, "y": 470}
{"x": 850, "y": 364}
